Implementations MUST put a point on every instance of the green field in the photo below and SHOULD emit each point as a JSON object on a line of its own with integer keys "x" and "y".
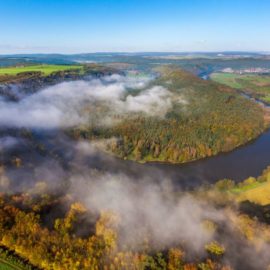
{"x": 257, "y": 85}
{"x": 255, "y": 190}
{"x": 45, "y": 69}
{"x": 10, "y": 261}
{"x": 257, "y": 193}
{"x": 7, "y": 266}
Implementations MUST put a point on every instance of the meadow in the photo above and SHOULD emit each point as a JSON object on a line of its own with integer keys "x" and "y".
{"x": 10, "y": 261}
{"x": 254, "y": 190}
{"x": 256, "y": 85}
{"x": 44, "y": 69}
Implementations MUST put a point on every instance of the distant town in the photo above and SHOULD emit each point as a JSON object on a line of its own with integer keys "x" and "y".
{"x": 257, "y": 70}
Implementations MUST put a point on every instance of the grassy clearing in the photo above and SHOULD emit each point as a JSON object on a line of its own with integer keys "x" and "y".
{"x": 255, "y": 190}
{"x": 45, "y": 69}
{"x": 246, "y": 188}
{"x": 259, "y": 194}
{"x": 266, "y": 98}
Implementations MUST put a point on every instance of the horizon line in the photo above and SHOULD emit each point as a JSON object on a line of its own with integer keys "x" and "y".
{"x": 137, "y": 52}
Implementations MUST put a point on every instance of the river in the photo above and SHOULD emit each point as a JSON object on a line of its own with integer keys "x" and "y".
{"x": 53, "y": 147}
{"x": 245, "y": 161}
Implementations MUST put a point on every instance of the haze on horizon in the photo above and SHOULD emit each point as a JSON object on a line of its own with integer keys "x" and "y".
{"x": 132, "y": 26}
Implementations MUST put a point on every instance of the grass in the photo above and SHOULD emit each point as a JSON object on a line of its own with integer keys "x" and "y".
{"x": 5, "y": 265}
{"x": 266, "y": 98}
{"x": 257, "y": 85}
{"x": 253, "y": 190}
{"x": 246, "y": 188}
{"x": 227, "y": 79}
{"x": 9, "y": 261}
{"x": 257, "y": 192}
{"x": 45, "y": 69}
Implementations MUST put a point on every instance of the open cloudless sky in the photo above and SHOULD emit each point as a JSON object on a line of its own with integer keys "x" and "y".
{"x": 72, "y": 26}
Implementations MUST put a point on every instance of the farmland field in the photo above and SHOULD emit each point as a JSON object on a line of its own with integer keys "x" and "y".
{"x": 45, "y": 69}
{"x": 257, "y": 85}
{"x": 4, "y": 266}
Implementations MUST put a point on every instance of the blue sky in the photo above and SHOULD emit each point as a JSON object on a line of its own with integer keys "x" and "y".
{"x": 74, "y": 26}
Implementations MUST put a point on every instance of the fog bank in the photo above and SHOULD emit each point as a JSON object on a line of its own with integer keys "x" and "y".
{"x": 74, "y": 103}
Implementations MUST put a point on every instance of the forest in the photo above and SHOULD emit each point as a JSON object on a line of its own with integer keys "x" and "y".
{"x": 205, "y": 118}
{"x": 56, "y": 231}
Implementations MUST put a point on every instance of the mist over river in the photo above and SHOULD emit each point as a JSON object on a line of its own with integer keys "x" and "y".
{"x": 41, "y": 159}
{"x": 61, "y": 154}
{"x": 30, "y": 154}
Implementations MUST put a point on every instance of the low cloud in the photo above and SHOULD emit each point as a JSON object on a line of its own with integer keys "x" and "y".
{"x": 73, "y": 103}
{"x": 147, "y": 209}
{"x": 147, "y": 205}
{"x": 155, "y": 101}
{"x": 8, "y": 142}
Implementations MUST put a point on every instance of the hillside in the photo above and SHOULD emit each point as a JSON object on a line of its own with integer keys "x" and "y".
{"x": 204, "y": 119}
